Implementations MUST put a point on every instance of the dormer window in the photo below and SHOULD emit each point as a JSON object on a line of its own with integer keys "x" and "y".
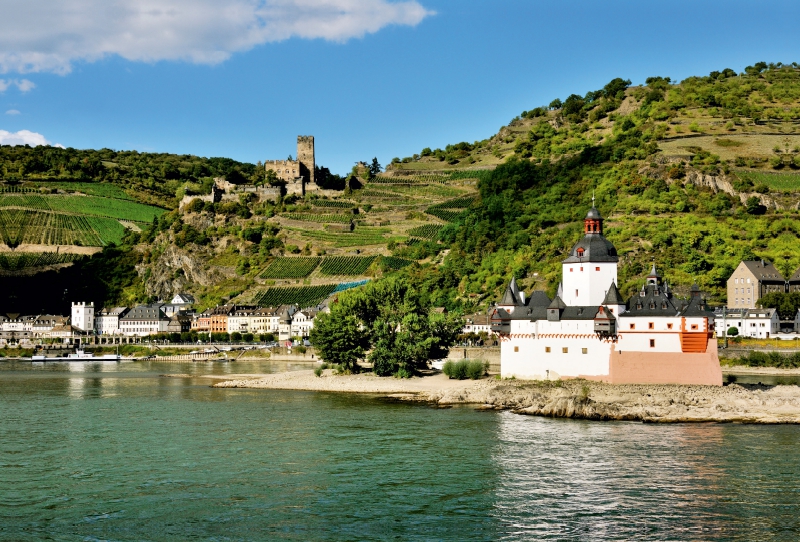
{"x": 580, "y": 253}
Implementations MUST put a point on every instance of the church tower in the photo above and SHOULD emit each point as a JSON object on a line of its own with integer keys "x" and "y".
{"x": 591, "y": 267}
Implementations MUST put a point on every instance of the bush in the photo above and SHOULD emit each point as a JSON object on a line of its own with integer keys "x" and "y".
{"x": 318, "y": 370}
{"x": 466, "y": 368}
{"x": 733, "y": 331}
{"x": 300, "y": 349}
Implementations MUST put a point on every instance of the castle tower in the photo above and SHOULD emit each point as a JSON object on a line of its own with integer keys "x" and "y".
{"x": 305, "y": 158}
{"x": 83, "y": 316}
{"x": 591, "y": 266}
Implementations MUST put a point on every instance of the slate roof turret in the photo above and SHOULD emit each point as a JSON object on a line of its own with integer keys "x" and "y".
{"x": 613, "y": 297}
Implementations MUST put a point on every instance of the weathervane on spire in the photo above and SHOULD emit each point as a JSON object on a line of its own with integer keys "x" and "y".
{"x": 592, "y": 197}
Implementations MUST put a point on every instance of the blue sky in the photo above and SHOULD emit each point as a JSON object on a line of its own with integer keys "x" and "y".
{"x": 385, "y": 78}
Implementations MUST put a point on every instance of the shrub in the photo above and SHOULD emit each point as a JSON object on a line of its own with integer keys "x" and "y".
{"x": 318, "y": 370}
{"x": 300, "y": 349}
{"x": 465, "y": 368}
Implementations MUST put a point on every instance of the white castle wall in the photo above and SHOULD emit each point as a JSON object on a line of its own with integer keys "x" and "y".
{"x": 524, "y": 354}
{"x": 586, "y": 284}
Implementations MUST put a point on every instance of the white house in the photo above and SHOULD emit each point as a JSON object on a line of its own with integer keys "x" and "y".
{"x": 589, "y": 331}
{"x": 302, "y": 322}
{"x": 755, "y": 323}
{"x": 83, "y": 316}
{"x": 144, "y": 320}
{"x": 106, "y": 321}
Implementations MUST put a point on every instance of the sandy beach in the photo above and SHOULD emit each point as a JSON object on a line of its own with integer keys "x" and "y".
{"x": 570, "y": 398}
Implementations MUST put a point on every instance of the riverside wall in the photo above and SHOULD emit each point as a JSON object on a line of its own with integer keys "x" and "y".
{"x": 488, "y": 353}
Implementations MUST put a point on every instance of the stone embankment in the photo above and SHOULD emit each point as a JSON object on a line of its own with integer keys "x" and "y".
{"x": 563, "y": 399}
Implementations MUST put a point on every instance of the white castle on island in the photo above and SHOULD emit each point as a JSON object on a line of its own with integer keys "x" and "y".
{"x": 589, "y": 331}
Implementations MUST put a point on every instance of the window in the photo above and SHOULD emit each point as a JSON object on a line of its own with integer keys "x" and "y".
{"x": 651, "y": 325}
{"x": 597, "y": 269}
{"x": 581, "y": 268}
{"x": 633, "y": 326}
{"x": 516, "y": 349}
{"x": 547, "y": 349}
{"x": 669, "y": 326}
{"x": 584, "y": 350}
{"x": 580, "y": 253}
{"x": 694, "y": 326}
{"x": 576, "y": 293}
{"x": 652, "y": 343}
{"x": 565, "y": 350}
{"x": 748, "y": 281}
{"x": 570, "y": 270}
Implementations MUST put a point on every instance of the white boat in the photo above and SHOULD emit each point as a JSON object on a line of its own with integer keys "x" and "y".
{"x": 79, "y": 355}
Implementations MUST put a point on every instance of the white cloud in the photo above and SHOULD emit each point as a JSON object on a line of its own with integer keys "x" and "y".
{"x": 13, "y": 112}
{"x": 23, "y": 85}
{"x": 24, "y": 137}
{"x": 49, "y": 35}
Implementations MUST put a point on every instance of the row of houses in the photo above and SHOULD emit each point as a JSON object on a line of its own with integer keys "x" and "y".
{"x": 284, "y": 321}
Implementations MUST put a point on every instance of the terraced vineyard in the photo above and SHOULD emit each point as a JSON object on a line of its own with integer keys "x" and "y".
{"x": 15, "y": 262}
{"x": 426, "y": 231}
{"x": 29, "y": 217}
{"x": 323, "y": 218}
{"x": 345, "y": 265}
{"x": 290, "y": 268}
{"x": 333, "y": 204}
{"x": 776, "y": 181}
{"x": 103, "y": 190}
{"x": 362, "y": 236}
{"x": 449, "y": 211}
{"x": 391, "y": 262}
{"x": 303, "y": 296}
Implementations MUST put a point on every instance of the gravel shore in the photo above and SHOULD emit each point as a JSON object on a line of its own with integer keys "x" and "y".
{"x": 565, "y": 399}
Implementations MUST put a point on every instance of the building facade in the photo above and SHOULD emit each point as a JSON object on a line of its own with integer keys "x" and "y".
{"x": 752, "y": 280}
{"x": 754, "y": 323}
{"x": 83, "y": 316}
{"x": 589, "y": 331}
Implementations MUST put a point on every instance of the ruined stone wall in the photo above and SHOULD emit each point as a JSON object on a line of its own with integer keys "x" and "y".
{"x": 286, "y": 170}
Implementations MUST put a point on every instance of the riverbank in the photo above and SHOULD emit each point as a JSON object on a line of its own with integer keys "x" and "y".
{"x": 563, "y": 399}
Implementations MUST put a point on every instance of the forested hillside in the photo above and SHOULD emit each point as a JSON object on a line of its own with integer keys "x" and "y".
{"x": 692, "y": 175}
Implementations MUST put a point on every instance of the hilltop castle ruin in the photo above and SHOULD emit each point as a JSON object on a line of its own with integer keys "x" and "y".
{"x": 297, "y": 174}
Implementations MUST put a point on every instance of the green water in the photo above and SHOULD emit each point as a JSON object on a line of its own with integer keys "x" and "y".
{"x": 114, "y": 452}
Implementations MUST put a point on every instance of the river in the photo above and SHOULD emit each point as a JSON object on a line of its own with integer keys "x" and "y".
{"x": 115, "y": 452}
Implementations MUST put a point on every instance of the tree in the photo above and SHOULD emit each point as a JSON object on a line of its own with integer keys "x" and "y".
{"x": 555, "y": 104}
{"x": 753, "y": 206}
{"x": 339, "y": 338}
{"x": 786, "y": 304}
{"x": 389, "y": 319}
{"x": 733, "y": 331}
{"x": 375, "y": 167}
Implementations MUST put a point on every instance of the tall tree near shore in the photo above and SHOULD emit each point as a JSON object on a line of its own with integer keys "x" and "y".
{"x": 389, "y": 319}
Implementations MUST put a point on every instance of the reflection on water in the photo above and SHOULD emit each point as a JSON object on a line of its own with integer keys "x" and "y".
{"x": 631, "y": 481}
{"x": 113, "y": 451}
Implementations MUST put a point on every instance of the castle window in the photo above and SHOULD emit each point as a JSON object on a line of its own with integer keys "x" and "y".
{"x": 565, "y": 350}
{"x": 516, "y": 349}
{"x": 580, "y": 253}
{"x": 652, "y": 343}
{"x": 651, "y": 325}
{"x": 576, "y": 293}
{"x": 633, "y": 326}
{"x": 597, "y": 269}
{"x": 694, "y": 326}
{"x": 584, "y": 350}
{"x": 669, "y": 326}
{"x": 581, "y": 268}
{"x": 547, "y": 349}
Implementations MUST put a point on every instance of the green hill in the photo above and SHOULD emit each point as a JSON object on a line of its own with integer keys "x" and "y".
{"x": 692, "y": 175}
